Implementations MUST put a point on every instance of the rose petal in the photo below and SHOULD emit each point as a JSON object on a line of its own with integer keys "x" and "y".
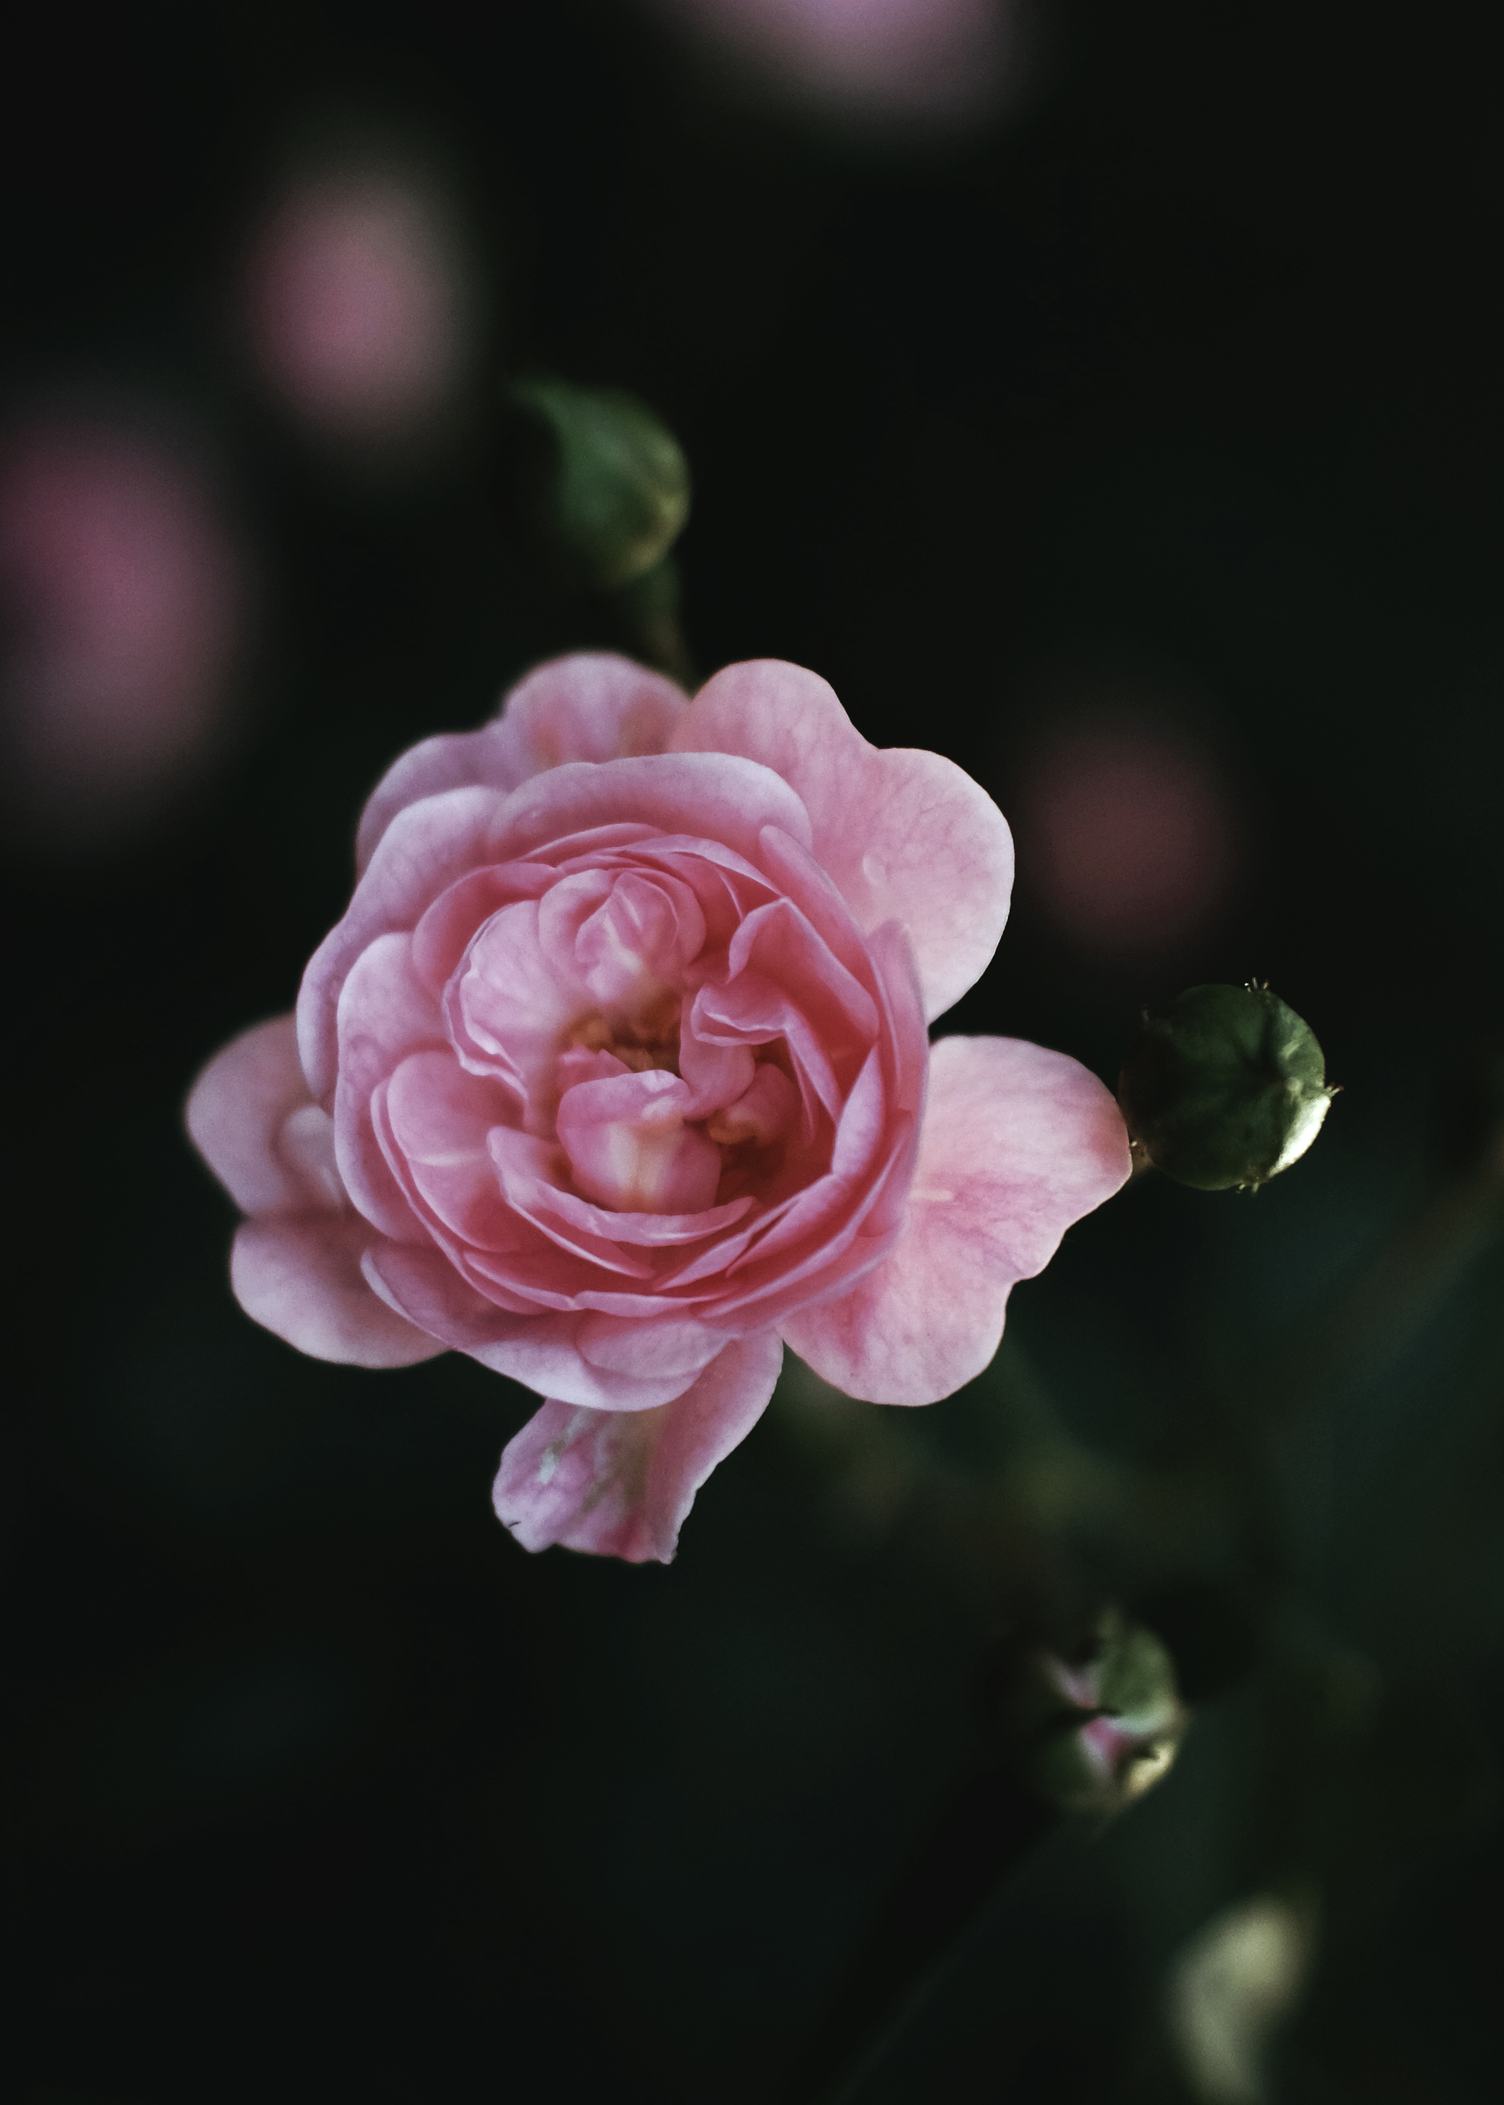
{"x": 453, "y": 760}
{"x": 662, "y": 1344}
{"x": 592, "y": 706}
{"x": 425, "y": 848}
{"x": 853, "y": 1237}
{"x": 528, "y": 1169}
{"x": 437, "y": 1118}
{"x": 300, "y": 1277}
{"x": 306, "y": 1145}
{"x": 447, "y": 928}
{"x": 431, "y": 844}
{"x": 629, "y": 1148}
{"x": 511, "y": 1008}
{"x": 653, "y": 1231}
{"x": 236, "y": 1111}
{"x": 1018, "y": 1143}
{"x": 700, "y": 797}
{"x": 632, "y": 932}
{"x": 753, "y": 1010}
{"x": 540, "y": 1348}
{"x": 906, "y": 834}
{"x": 619, "y": 1486}
{"x": 384, "y": 1014}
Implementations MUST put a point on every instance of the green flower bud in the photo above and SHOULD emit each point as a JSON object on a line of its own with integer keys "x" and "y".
{"x": 1113, "y": 1722}
{"x": 1225, "y": 1086}
{"x": 615, "y": 490}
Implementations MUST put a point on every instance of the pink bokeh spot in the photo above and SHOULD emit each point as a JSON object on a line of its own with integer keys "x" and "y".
{"x": 915, "y": 59}
{"x": 1131, "y": 830}
{"x": 355, "y": 303}
{"x": 615, "y": 1075}
{"x": 125, "y": 596}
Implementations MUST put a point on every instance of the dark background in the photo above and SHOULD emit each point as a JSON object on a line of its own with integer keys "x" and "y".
{"x": 1168, "y": 396}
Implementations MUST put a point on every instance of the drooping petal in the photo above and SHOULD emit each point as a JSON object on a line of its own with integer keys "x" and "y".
{"x": 236, "y": 1113}
{"x": 621, "y": 1486}
{"x": 906, "y": 834}
{"x": 300, "y": 1277}
{"x": 1018, "y": 1143}
{"x": 592, "y": 706}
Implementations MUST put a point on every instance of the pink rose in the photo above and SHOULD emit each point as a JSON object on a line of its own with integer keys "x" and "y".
{"x": 615, "y": 1076}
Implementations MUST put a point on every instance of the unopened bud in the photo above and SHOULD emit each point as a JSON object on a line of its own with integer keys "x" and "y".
{"x": 615, "y": 486}
{"x": 1113, "y": 1721}
{"x": 1225, "y": 1086}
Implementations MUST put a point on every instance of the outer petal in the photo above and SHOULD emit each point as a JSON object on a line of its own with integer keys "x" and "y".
{"x": 688, "y": 796}
{"x": 1017, "y": 1144}
{"x": 422, "y": 852}
{"x": 384, "y": 1015}
{"x": 907, "y": 835}
{"x": 622, "y": 1485}
{"x": 591, "y": 706}
{"x": 236, "y": 1112}
{"x": 301, "y": 1278}
{"x": 544, "y": 1351}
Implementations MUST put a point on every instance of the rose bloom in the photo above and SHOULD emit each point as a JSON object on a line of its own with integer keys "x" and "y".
{"x": 615, "y": 1075}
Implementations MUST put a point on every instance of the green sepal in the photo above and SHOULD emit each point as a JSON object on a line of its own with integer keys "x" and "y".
{"x": 1226, "y": 1086}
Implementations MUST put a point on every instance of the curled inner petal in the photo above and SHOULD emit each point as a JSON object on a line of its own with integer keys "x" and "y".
{"x": 629, "y": 1147}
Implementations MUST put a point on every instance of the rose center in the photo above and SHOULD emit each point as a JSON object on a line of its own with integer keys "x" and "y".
{"x": 646, "y": 1040}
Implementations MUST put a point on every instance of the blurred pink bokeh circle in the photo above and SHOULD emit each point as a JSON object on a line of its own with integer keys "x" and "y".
{"x": 355, "y": 302}
{"x": 917, "y": 59}
{"x": 123, "y": 592}
{"x": 1130, "y": 829}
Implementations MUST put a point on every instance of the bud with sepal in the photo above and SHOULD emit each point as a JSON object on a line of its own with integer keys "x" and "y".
{"x": 1225, "y": 1086}
{"x": 611, "y": 484}
{"x": 1109, "y": 1722}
